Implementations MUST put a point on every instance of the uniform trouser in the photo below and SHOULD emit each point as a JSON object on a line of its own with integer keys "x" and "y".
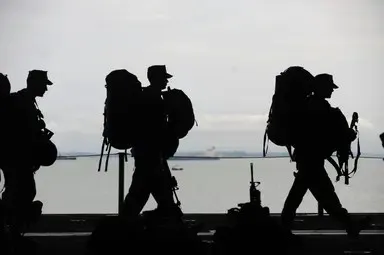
{"x": 17, "y": 198}
{"x": 312, "y": 176}
{"x": 149, "y": 177}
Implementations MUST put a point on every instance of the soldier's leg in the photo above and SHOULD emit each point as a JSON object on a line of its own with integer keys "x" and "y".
{"x": 294, "y": 199}
{"x": 161, "y": 186}
{"x": 20, "y": 191}
{"x": 139, "y": 191}
{"x": 323, "y": 190}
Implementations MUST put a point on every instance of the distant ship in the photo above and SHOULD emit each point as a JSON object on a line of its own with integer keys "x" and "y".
{"x": 60, "y": 157}
{"x": 210, "y": 154}
{"x": 193, "y": 158}
{"x": 177, "y": 168}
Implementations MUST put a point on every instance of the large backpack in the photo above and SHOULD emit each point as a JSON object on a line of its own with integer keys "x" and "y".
{"x": 5, "y": 86}
{"x": 292, "y": 87}
{"x": 120, "y": 111}
{"x": 179, "y": 109}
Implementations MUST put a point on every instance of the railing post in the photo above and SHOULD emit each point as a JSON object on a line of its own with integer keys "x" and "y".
{"x": 121, "y": 181}
{"x": 320, "y": 210}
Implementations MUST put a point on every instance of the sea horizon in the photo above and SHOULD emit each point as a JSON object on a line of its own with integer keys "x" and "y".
{"x": 205, "y": 186}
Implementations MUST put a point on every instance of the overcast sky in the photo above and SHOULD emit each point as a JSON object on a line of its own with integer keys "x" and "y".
{"x": 224, "y": 54}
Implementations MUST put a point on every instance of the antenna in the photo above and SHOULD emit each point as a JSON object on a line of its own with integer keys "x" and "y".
{"x": 254, "y": 194}
{"x": 252, "y": 180}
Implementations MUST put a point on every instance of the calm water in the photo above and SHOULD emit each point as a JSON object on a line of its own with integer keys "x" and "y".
{"x": 75, "y": 186}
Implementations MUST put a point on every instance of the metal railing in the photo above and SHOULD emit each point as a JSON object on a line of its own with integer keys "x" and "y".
{"x": 121, "y": 181}
{"x": 121, "y": 175}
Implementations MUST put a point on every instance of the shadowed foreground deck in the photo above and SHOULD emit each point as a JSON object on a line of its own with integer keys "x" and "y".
{"x": 67, "y": 234}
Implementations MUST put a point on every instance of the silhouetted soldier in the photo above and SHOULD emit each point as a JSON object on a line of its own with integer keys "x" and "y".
{"x": 310, "y": 154}
{"x": 5, "y": 89}
{"x": 150, "y": 176}
{"x": 24, "y": 130}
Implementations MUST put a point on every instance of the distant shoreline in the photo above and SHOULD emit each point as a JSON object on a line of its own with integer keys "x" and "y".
{"x": 66, "y": 157}
{"x": 201, "y": 156}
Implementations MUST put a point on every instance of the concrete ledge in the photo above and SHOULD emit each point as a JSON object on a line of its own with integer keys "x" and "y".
{"x": 86, "y": 222}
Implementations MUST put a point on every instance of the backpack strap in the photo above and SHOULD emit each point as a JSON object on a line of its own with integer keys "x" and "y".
{"x": 102, "y": 153}
{"x": 337, "y": 168}
{"x": 289, "y": 149}
{"x": 358, "y": 154}
{"x": 265, "y": 139}
{"x": 346, "y": 172}
{"x": 265, "y": 143}
{"x": 105, "y": 140}
{"x": 107, "y": 160}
